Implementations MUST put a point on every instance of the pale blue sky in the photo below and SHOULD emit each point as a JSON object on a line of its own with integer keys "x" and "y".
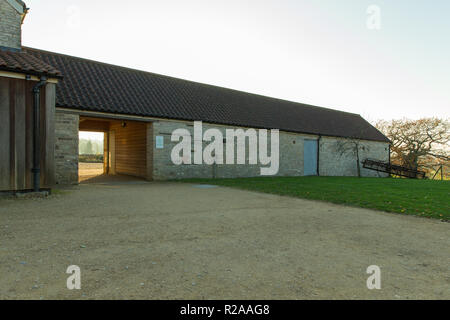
{"x": 316, "y": 52}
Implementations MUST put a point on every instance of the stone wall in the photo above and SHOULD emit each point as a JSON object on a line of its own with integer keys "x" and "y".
{"x": 10, "y": 26}
{"x": 164, "y": 168}
{"x": 66, "y": 148}
{"x": 332, "y": 162}
{"x": 290, "y": 162}
{"x": 338, "y": 157}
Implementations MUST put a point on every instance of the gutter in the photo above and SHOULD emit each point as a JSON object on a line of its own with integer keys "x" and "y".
{"x": 54, "y": 77}
{"x": 37, "y": 134}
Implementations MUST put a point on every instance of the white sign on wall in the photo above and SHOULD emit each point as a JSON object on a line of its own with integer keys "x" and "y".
{"x": 159, "y": 142}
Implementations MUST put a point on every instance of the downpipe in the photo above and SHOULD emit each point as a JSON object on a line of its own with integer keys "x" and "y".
{"x": 37, "y": 134}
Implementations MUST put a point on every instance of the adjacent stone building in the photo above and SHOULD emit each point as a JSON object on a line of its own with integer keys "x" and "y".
{"x": 12, "y": 14}
{"x": 138, "y": 111}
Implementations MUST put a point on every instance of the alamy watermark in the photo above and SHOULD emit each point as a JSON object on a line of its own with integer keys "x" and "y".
{"x": 74, "y": 280}
{"x": 73, "y": 21}
{"x": 213, "y": 153}
{"x": 374, "y": 281}
{"x": 373, "y": 21}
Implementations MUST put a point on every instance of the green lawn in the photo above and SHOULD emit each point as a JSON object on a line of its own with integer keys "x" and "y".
{"x": 415, "y": 197}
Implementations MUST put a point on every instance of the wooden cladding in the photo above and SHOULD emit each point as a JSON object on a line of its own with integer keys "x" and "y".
{"x": 130, "y": 145}
{"x": 16, "y": 134}
{"x": 94, "y": 125}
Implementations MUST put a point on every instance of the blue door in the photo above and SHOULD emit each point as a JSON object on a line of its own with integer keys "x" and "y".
{"x": 310, "y": 158}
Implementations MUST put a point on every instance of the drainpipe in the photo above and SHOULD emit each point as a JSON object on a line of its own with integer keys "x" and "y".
{"x": 318, "y": 155}
{"x": 36, "y": 134}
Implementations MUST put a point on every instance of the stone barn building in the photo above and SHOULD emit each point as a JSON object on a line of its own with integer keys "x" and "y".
{"x": 46, "y": 98}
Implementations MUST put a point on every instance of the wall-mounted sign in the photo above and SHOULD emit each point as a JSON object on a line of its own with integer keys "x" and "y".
{"x": 159, "y": 142}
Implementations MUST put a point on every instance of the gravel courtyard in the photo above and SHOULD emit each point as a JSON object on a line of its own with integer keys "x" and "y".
{"x": 140, "y": 240}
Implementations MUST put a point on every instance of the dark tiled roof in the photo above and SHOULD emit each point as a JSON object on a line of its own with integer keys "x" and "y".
{"x": 95, "y": 86}
{"x": 24, "y": 62}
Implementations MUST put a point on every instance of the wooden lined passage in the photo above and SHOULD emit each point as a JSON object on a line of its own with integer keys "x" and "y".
{"x": 130, "y": 148}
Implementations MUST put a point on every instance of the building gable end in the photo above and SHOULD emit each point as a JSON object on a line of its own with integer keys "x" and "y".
{"x": 18, "y": 5}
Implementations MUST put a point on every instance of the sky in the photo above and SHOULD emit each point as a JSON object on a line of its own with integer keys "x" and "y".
{"x": 96, "y": 136}
{"x": 329, "y": 53}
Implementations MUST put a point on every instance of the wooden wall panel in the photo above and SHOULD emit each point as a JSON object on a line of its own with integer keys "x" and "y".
{"x": 5, "y": 182}
{"x": 112, "y": 152}
{"x": 49, "y": 127}
{"x": 19, "y": 136}
{"x": 130, "y": 148}
{"x": 16, "y": 134}
{"x": 94, "y": 125}
{"x": 149, "y": 151}
{"x": 29, "y": 116}
{"x": 12, "y": 134}
{"x": 43, "y": 136}
{"x": 105, "y": 152}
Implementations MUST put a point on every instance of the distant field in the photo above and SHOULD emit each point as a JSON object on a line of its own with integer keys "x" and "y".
{"x": 424, "y": 198}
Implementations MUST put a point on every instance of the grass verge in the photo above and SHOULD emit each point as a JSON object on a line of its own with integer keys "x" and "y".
{"x": 424, "y": 198}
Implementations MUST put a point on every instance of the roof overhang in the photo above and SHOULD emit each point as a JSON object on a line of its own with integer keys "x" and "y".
{"x": 130, "y": 117}
{"x": 25, "y": 76}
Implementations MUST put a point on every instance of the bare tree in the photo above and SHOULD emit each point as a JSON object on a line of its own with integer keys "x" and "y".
{"x": 415, "y": 141}
{"x": 351, "y": 146}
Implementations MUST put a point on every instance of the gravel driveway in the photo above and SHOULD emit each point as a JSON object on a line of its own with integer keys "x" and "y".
{"x": 140, "y": 240}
